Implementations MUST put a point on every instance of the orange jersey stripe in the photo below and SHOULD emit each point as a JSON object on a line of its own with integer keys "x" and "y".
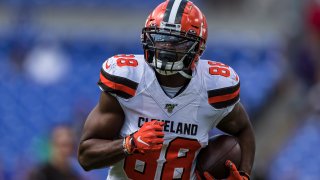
{"x": 117, "y": 86}
{"x": 222, "y": 98}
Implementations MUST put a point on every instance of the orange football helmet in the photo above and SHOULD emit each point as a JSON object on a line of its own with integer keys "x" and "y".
{"x": 174, "y": 36}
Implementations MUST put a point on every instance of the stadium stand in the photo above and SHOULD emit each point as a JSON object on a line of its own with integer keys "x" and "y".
{"x": 299, "y": 158}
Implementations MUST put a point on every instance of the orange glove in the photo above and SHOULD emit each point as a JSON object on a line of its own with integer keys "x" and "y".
{"x": 234, "y": 173}
{"x": 206, "y": 175}
{"x": 148, "y": 138}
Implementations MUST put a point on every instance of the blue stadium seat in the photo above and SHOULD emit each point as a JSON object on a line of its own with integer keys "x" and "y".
{"x": 300, "y": 155}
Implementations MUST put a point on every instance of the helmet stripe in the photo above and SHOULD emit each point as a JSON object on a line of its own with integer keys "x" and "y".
{"x": 168, "y": 10}
{"x": 174, "y": 11}
{"x": 180, "y": 12}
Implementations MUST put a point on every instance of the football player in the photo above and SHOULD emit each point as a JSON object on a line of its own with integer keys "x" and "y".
{"x": 156, "y": 109}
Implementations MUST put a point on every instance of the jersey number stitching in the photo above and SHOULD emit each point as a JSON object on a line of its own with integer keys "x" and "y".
{"x": 179, "y": 155}
{"x": 219, "y": 69}
{"x": 126, "y": 60}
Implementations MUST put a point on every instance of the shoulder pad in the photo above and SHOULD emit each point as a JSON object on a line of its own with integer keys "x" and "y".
{"x": 223, "y": 84}
{"x": 120, "y": 75}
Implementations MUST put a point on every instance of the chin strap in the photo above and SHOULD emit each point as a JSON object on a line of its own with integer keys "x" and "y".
{"x": 184, "y": 74}
{"x": 166, "y": 73}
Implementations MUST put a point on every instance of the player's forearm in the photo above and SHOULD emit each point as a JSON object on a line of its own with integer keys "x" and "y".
{"x": 98, "y": 153}
{"x": 247, "y": 143}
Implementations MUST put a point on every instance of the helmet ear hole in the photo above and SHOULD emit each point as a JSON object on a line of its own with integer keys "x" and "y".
{"x": 191, "y": 31}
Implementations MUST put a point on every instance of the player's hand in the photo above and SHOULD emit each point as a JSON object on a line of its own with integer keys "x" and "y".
{"x": 148, "y": 138}
{"x": 235, "y": 174}
{"x": 206, "y": 175}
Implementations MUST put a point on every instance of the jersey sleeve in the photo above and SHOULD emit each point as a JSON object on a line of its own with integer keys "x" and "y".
{"x": 119, "y": 76}
{"x": 223, "y": 86}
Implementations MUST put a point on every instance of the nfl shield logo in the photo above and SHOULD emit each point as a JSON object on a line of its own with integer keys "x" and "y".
{"x": 170, "y": 107}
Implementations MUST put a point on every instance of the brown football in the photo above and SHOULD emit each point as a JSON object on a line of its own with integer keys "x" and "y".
{"x": 213, "y": 157}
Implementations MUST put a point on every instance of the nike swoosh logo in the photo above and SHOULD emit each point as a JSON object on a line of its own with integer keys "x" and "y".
{"x": 140, "y": 140}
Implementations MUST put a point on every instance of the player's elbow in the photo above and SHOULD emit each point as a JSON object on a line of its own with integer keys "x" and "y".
{"x": 83, "y": 164}
{"x": 84, "y": 160}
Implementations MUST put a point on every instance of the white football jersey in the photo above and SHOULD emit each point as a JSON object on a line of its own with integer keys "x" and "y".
{"x": 211, "y": 95}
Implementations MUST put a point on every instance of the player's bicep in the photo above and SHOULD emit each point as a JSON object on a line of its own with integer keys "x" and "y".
{"x": 105, "y": 120}
{"x": 235, "y": 121}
